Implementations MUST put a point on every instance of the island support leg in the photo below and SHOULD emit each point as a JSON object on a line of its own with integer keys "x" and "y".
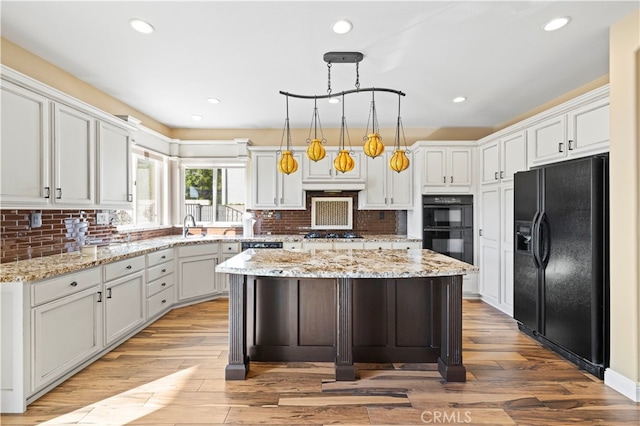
{"x": 238, "y": 366}
{"x": 450, "y": 360}
{"x": 345, "y": 370}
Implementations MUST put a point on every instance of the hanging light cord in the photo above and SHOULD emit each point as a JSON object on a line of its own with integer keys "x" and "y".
{"x": 285, "y": 131}
{"x": 315, "y": 123}
{"x": 373, "y": 116}
{"x": 400, "y": 128}
{"x": 328, "y": 79}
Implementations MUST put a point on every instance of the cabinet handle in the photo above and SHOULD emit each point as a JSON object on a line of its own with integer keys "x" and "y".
{"x": 164, "y": 270}
{"x": 495, "y": 175}
{"x": 391, "y": 202}
{"x": 570, "y": 146}
{"x": 47, "y": 192}
{"x": 129, "y": 197}
{"x": 109, "y": 293}
{"x": 444, "y": 179}
{"x": 501, "y": 174}
{"x": 58, "y": 193}
{"x": 99, "y": 296}
{"x": 163, "y": 284}
{"x": 164, "y": 300}
{"x": 128, "y": 266}
{"x": 560, "y": 147}
{"x": 163, "y": 257}
{"x": 275, "y": 201}
{"x": 74, "y": 284}
{"x": 480, "y": 232}
{"x": 451, "y": 180}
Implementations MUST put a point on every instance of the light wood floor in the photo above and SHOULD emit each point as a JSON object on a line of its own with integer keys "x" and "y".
{"x": 172, "y": 373}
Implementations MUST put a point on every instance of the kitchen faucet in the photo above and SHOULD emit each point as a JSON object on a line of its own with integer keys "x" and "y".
{"x": 185, "y": 225}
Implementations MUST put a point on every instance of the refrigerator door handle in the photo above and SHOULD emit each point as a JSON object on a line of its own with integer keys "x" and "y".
{"x": 535, "y": 239}
{"x": 545, "y": 243}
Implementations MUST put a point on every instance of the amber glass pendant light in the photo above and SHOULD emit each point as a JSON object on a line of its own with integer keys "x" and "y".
{"x": 287, "y": 164}
{"x": 315, "y": 150}
{"x": 399, "y": 160}
{"x": 344, "y": 162}
{"x": 373, "y": 145}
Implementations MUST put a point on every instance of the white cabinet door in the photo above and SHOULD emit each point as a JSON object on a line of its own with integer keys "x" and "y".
{"x": 124, "y": 306}
{"x": 489, "y": 242}
{"x": 490, "y": 163}
{"x": 265, "y": 183}
{"x": 589, "y": 128}
{"x": 375, "y": 193}
{"x": 459, "y": 167}
{"x": 114, "y": 179}
{"x": 547, "y": 141}
{"x": 400, "y": 195}
{"x": 289, "y": 190}
{"x": 25, "y": 144}
{"x": 506, "y": 249}
{"x": 513, "y": 153}
{"x": 73, "y": 157}
{"x": 65, "y": 333}
{"x": 435, "y": 167}
{"x": 197, "y": 276}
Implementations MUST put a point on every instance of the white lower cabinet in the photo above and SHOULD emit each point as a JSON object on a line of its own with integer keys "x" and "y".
{"x": 124, "y": 297}
{"x": 65, "y": 330}
{"x": 197, "y": 271}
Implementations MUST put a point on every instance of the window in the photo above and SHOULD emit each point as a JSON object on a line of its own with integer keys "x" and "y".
{"x": 215, "y": 195}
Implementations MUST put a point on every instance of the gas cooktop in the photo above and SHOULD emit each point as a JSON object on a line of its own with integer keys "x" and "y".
{"x": 332, "y": 235}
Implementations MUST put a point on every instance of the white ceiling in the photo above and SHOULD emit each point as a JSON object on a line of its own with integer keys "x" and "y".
{"x": 494, "y": 53}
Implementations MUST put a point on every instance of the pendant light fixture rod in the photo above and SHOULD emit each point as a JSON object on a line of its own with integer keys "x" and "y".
{"x": 346, "y": 92}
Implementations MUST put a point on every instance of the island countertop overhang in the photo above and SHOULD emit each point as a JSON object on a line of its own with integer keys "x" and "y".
{"x": 348, "y": 263}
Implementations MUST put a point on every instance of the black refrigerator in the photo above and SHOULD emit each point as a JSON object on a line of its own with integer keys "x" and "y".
{"x": 561, "y": 259}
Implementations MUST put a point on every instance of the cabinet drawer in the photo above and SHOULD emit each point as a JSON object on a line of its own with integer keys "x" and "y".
{"x": 292, "y": 246}
{"x": 124, "y": 267}
{"x": 159, "y": 257}
{"x": 407, "y": 245}
{"x": 160, "y": 271}
{"x": 57, "y": 288}
{"x": 159, "y": 285}
{"x": 197, "y": 250}
{"x": 230, "y": 247}
{"x": 160, "y": 302}
{"x": 375, "y": 245}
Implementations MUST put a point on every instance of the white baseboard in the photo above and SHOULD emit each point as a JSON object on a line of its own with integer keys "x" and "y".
{"x": 622, "y": 384}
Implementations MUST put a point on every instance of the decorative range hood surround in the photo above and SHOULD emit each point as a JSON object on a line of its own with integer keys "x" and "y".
{"x": 333, "y": 186}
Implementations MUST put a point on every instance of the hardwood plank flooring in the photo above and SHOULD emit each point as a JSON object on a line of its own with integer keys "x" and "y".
{"x": 172, "y": 373}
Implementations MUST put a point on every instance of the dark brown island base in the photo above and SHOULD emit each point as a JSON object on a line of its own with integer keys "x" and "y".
{"x": 346, "y": 306}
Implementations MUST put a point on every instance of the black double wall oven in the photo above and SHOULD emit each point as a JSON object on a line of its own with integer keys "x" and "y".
{"x": 448, "y": 225}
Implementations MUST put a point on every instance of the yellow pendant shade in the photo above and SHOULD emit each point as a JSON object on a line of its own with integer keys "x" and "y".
{"x": 343, "y": 162}
{"x": 287, "y": 163}
{"x": 399, "y": 160}
{"x": 373, "y": 147}
{"x": 316, "y": 151}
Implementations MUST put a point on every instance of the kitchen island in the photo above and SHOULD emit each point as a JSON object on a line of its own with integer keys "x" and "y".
{"x": 346, "y": 306}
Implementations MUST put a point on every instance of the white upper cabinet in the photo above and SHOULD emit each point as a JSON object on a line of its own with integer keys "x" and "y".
{"x": 323, "y": 170}
{"x": 447, "y": 169}
{"x": 581, "y": 131}
{"x": 73, "y": 157}
{"x": 272, "y": 189}
{"x": 25, "y": 146}
{"x": 114, "y": 181}
{"x": 385, "y": 188}
{"x": 501, "y": 158}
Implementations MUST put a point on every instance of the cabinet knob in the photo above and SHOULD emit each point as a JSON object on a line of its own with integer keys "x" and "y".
{"x": 163, "y": 257}
{"x": 164, "y": 270}
{"x": 163, "y": 284}
{"x": 74, "y": 284}
{"x": 164, "y": 300}
{"x": 128, "y": 266}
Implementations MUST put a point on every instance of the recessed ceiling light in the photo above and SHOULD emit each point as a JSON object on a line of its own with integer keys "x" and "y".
{"x": 213, "y": 100}
{"x": 334, "y": 100}
{"x": 196, "y": 117}
{"x": 342, "y": 26}
{"x": 556, "y": 23}
{"x": 459, "y": 99}
{"x": 141, "y": 26}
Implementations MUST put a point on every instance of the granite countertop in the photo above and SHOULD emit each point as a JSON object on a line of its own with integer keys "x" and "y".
{"x": 349, "y": 263}
{"x": 50, "y": 266}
